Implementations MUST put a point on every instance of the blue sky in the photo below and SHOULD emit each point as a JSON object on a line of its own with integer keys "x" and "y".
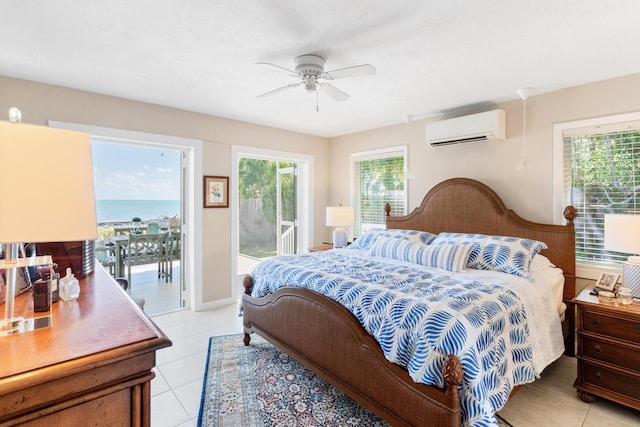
{"x": 126, "y": 172}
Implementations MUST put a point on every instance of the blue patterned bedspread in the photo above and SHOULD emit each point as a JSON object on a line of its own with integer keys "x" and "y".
{"x": 419, "y": 316}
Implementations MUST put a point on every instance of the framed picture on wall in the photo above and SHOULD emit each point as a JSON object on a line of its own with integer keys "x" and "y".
{"x": 216, "y": 191}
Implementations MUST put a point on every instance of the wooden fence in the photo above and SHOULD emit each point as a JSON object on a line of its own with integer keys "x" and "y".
{"x": 253, "y": 226}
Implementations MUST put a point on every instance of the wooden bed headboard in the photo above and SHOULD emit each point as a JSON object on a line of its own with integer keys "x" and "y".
{"x": 467, "y": 206}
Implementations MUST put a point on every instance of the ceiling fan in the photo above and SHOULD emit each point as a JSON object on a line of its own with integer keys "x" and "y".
{"x": 310, "y": 70}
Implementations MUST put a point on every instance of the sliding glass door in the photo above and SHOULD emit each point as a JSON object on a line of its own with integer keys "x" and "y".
{"x": 139, "y": 189}
{"x": 267, "y": 208}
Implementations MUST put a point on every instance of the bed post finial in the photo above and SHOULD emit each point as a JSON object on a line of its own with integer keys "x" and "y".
{"x": 247, "y": 282}
{"x": 570, "y": 213}
{"x": 387, "y": 209}
{"x": 452, "y": 375}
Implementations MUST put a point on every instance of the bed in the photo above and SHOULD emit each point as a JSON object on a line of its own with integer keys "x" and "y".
{"x": 329, "y": 339}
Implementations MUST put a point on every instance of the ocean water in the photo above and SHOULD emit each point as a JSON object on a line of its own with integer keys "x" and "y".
{"x": 124, "y": 210}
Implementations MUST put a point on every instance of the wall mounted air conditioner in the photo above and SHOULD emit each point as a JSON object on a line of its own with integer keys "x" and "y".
{"x": 487, "y": 126}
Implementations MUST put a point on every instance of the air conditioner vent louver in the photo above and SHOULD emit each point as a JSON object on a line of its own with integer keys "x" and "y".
{"x": 461, "y": 140}
{"x": 487, "y": 126}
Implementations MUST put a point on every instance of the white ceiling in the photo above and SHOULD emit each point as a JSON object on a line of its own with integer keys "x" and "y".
{"x": 432, "y": 56}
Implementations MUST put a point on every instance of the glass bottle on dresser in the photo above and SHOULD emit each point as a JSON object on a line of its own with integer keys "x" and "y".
{"x": 624, "y": 295}
{"x": 69, "y": 287}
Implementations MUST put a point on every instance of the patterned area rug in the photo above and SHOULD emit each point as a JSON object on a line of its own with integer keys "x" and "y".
{"x": 259, "y": 385}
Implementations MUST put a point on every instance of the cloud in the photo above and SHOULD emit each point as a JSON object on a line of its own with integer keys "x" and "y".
{"x": 123, "y": 172}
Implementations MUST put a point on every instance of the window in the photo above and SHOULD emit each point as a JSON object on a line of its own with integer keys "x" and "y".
{"x": 600, "y": 174}
{"x": 378, "y": 178}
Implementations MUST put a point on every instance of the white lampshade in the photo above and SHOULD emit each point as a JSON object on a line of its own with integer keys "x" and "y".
{"x": 46, "y": 185}
{"x": 339, "y": 216}
{"x": 622, "y": 233}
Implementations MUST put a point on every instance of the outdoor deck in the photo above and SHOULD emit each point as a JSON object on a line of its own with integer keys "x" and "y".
{"x": 160, "y": 296}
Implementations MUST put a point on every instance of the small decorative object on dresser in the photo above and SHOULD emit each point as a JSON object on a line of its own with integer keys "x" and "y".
{"x": 608, "y": 350}
{"x": 607, "y": 282}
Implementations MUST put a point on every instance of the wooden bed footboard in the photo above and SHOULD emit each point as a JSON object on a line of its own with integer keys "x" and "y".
{"x": 327, "y": 339}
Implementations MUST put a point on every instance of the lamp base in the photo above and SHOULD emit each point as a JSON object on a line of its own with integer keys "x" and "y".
{"x": 18, "y": 325}
{"x": 12, "y": 326}
{"x": 631, "y": 276}
{"x": 30, "y": 308}
{"x": 339, "y": 237}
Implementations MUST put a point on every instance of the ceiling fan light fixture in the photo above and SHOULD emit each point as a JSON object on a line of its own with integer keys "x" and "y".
{"x": 310, "y": 83}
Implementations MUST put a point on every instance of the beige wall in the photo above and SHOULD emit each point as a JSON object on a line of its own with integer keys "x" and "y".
{"x": 528, "y": 192}
{"x": 40, "y": 103}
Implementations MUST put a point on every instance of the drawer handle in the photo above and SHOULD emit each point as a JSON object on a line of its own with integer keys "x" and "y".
{"x": 598, "y": 375}
{"x": 597, "y": 349}
{"x": 596, "y": 322}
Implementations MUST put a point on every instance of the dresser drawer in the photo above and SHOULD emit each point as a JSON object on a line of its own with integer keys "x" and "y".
{"x": 609, "y": 379}
{"x": 618, "y": 355}
{"x": 614, "y": 327}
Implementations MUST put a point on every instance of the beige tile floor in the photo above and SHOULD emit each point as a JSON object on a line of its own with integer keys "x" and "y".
{"x": 161, "y": 296}
{"x": 176, "y": 389}
{"x": 550, "y": 401}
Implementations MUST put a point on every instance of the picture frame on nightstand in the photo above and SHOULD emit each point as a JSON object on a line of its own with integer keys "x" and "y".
{"x": 607, "y": 282}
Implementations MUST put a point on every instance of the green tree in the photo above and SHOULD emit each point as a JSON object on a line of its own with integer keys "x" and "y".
{"x": 378, "y": 180}
{"x": 256, "y": 176}
{"x": 606, "y": 166}
{"x": 258, "y": 180}
{"x": 605, "y": 178}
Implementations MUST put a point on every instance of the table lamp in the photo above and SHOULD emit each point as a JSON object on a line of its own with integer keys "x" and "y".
{"x": 47, "y": 193}
{"x": 622, "y": 234}
{"x": 341, "y": 218}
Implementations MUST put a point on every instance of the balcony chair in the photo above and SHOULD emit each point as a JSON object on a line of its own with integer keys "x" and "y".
{"x": 172, "y": 249}
{"x": 145, "y": 249}
{"x": 105, "y": 254}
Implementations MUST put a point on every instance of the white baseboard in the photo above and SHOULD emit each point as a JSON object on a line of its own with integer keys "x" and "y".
{"x": 217, "y": 303}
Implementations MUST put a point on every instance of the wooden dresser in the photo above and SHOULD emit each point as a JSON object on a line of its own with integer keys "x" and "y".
{"x": 91, "y": 367}
{"x": 608, "y": 336}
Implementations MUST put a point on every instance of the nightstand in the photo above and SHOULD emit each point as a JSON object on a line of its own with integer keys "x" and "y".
{"x": 320, "y": 248}
{"x": 608, "y": 336}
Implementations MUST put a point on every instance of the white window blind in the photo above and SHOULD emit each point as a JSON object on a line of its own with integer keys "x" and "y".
{"x": 378, "y": 178}
{"x": 601, "y": 174}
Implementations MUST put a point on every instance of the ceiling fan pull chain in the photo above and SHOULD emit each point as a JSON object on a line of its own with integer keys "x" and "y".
{"x": 317, "y": 96}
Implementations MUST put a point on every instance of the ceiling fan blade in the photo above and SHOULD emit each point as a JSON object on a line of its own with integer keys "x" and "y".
{"x": 277, "y": 66}
{"x": 333, "y": 92}
{"x": 280, "y": 89}
{"x": 355, "y": 71}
